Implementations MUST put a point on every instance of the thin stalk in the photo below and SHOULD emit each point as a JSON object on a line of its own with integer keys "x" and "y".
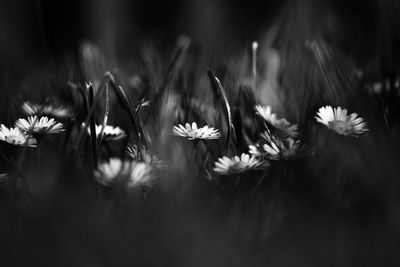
{"x": 196, "y": 143}
{"x": 386, "y": 121}
{"x": 39, "y": 151}
{"x": 258, "y": 184}
{"x": 254, "y": 48}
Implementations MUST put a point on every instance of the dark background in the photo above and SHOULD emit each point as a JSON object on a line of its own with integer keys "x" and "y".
{"x": 35, "y": 30}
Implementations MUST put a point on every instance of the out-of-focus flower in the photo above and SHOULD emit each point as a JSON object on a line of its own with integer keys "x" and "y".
{"x": 236, "y": 164}
{"x": 337, "y": 120}
{"x": 386, "y": 88}
{"x": 60, "y": 112}
{"x": 141, "y": 174}
{"x": 4, "y": 177}
{"x": 192, "y": 132}
{"x": 272, "y": 119}
{"x": 376, "y": 88}
{"x": 107, "y": 172}
{"x": 39, "y": 127}
{"x": 135, "y": 172}
{"x": 145, "y": 156}
{"x": 16, "y": 137}
{"x": 110, "y": 133}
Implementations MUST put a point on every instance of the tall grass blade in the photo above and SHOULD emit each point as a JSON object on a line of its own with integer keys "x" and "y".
{"x": 127, "y": 106}
{"x": 105, "y": 119}
{"x": 221, "y": 96}
{"x": 93, "y": 136}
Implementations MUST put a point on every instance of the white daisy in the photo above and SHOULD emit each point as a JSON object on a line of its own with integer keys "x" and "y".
{"x": 281, "y": 124}
{"x": 137, "y": 173}
{"x": 110, "y": 133}
{"x": 141, "y": 174}
{"x": 192, "y": 132}
{"x": 226, "y": 166}
{"x": 338, "y": 120}
{"x": 108, "y": 172}
{"x": 16, "y": 137}
{"x": 37, "y": 127}
{"x": 31, "y": 109}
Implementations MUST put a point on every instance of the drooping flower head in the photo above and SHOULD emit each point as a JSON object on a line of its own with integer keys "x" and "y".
{"x": 110, "y": 133}
{"x": 145, "y": 156}
{"x": 16, "y": 137}
{"x": 31, "y": 109}
{"x": 39, "y": 127}
{"x": 281, "y": 124}
{"x": 339, "y": 121}
{"x": 273, "y": 148}
{"x": 192, "y": 132}
{"x": 236, "y": 164}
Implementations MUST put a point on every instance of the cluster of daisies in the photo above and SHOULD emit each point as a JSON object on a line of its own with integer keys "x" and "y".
{"x": 28, "y": 132}
{"x": 278, "y": 141}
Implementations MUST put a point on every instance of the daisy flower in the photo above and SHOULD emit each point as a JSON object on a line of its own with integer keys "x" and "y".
{"x": 16, "y": 137}
{"x": 141, "y": 174}
{"x": 280, "y": 124}
{"x": 110, "y": 133}
{"x": 339, "y": 121}
{"x": 31, "y": 109}
{"x": 226, "y": 166}
{"x": 39, "y": 127}
{"x": 193, "y": 132}
{"x": 137, "y": 173}
{"x": 107, "y": 172}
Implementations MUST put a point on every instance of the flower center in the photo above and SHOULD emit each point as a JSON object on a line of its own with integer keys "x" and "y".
{"x": 340, "y": 126}
{"x": 12, "y": 139}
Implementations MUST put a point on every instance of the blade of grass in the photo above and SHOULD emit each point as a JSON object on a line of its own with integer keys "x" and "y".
{"x": 91, "y": 111}
{"x": 137, "y": 116}
{"x": 105, "y": 119}
{"x": 177, "y": 61}
{"x": 93, "y": 135}
{"x": 221, "y": 96}
{"x": 179, "y": 56}
{"x": 127, "y": 106}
